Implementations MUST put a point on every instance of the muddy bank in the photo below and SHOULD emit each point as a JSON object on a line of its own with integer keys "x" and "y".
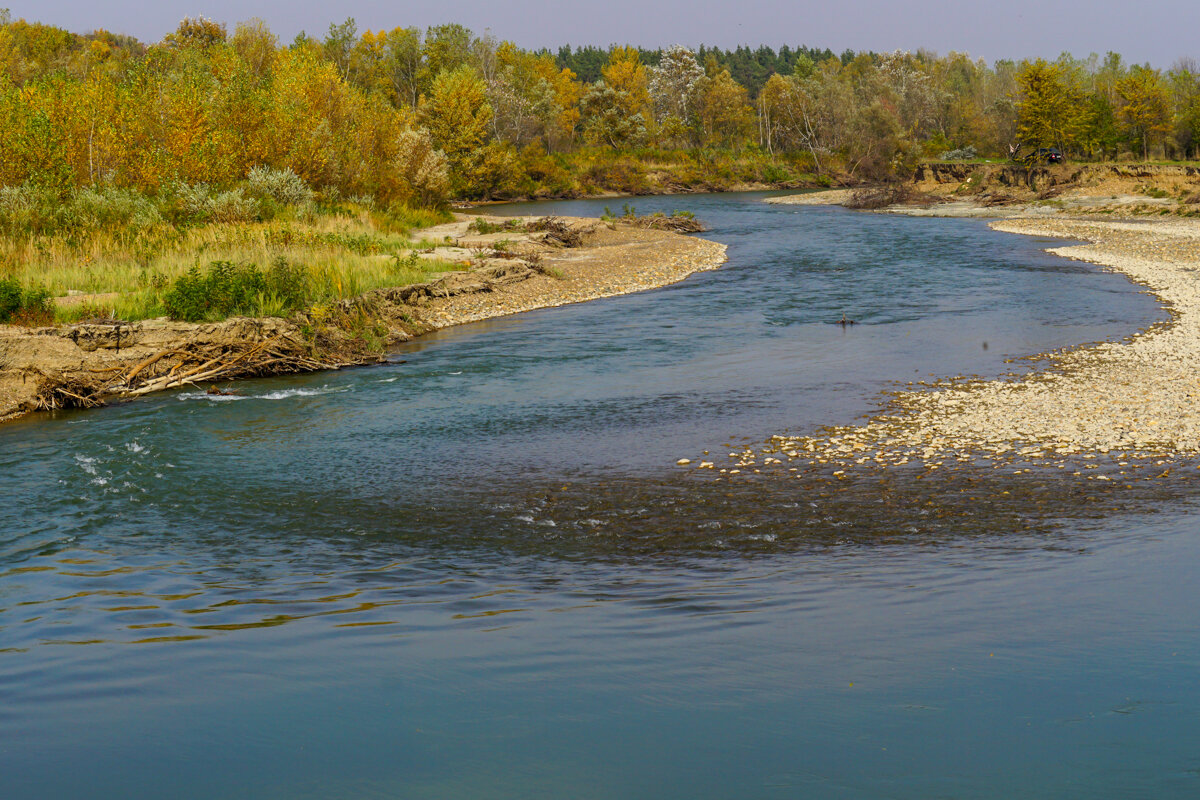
{"x": 88, "y": 364}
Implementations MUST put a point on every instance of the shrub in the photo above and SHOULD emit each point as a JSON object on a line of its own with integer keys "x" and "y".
{"x": 227, "y": 289}
{"x": 233, "y": 206}
{"x": 620, "y": 176}
{"x": 29, "y": 210}
{"x": 962, "y": 154}
{"x": 24, "y": 306}
{"x": 281, "y": 185}
{"x": 10, "y": 298}
{"x": 197, "y": 204}
{"x": 111, "y": 206}
{"x": 774, "y": 173}
{"x": 191, "y": 203}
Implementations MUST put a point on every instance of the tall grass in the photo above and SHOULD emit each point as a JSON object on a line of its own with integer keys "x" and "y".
{"x": 129, "y": 249}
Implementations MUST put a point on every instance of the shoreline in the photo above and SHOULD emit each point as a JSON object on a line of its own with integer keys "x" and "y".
{"x": 1125, "y": 401}
{"x": 85, "y": 365}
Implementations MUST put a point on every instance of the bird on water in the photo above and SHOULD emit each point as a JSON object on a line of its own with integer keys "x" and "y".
{"x": 843, "y": 321}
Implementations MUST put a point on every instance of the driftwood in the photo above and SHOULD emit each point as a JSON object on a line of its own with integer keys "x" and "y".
{"x": 676, "y": 223}
{"x": 175, "y": 367}
{"x": 559, "y": 232}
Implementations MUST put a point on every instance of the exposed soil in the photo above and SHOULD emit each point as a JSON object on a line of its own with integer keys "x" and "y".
{"x": 90, "y": 363}
{"x": 1008, "y": 190}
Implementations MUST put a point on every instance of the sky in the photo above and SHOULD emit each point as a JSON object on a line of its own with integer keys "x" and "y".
{"x": 1154, "y": 31}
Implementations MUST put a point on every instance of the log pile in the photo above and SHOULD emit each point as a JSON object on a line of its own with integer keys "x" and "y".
{"x": 188, "y": 365}
{"x": 675, "y": 223}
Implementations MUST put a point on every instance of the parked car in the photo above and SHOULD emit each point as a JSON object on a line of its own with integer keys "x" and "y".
{"x": 1042, "y": 155}
{"x": 1049, "y": 155}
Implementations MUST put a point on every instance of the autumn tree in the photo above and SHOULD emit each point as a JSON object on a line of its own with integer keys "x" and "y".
{"x": 1049, "y": 109}
{"x": 255, "y": 46}
{"x": 447, "y": 47}
{"x": 1185, "y": 95}
{"x": 626, "y": 75}
{"x": 459, "y": 118}
{"x": 726, "y": 118}
{"x": 401, "y": 64}
{"x": 198, "y": 32}
{"x": 1145, "y": 105}
{"x": 614, "y": 109}
{"x": 339, "y": 45}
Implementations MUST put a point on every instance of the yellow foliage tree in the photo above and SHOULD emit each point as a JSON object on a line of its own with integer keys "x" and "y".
{"x": 458, "y": 116}
{"x": 1145, "y": 105}
{"x": 626, "y": 75}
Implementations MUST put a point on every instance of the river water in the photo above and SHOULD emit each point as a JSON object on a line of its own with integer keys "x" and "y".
{"x": 477, "y": 572}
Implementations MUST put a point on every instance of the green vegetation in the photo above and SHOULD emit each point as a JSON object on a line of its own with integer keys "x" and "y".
{"x": 23, "y": 306}
{"x": 121, "y": 253}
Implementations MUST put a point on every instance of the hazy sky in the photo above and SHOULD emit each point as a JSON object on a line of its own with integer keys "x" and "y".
{"x": 1158, "y": 31}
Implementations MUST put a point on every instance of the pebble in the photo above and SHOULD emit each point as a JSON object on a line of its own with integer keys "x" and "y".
{"x": 1127, "y": 400}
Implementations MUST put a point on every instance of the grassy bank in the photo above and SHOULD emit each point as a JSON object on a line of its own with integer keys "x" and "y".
{"x": 268, "y": 248}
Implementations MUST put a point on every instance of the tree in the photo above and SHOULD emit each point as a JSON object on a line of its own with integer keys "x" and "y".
{"x": 1145, "y": 106}
{"x": 339, "y": 44}
{"x": 626, "y": 76}
{"x": 459, "y": 118}
{"x": 447, "y": 47}
{"x": 256, "y": 46}
{"x": 724, "y": 111}
{"x": 674, "y": 87}
{"x": 198, "y": 32}
{"x": 605, "y": 117}
{"x": 1049, "y": 110}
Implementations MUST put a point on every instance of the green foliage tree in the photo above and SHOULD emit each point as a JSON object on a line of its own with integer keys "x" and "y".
{"x": 339, "y": 44}
{"x": 447, "y": 47}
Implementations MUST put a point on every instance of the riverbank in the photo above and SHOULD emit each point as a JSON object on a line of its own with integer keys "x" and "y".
{"x": 1098, "y": 407}
{"x": 86, "y": 364}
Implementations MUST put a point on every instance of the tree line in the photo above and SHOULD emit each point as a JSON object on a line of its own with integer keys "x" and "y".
{"x": 415, "y": 116}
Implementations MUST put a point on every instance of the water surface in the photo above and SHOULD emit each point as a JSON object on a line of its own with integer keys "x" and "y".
{"x": 476, "y": 571}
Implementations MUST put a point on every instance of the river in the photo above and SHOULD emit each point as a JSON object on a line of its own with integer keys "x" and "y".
{"x": 476, "y": 571}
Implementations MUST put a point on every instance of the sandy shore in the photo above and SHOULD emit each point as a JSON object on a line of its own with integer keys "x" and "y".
{"x": 617, "y": 260}
{"x": 1135, "y": 399}
{"x": 87, "y": 363}
{"x": 827, "y": 197}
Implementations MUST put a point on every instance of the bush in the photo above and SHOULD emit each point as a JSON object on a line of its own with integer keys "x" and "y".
{"x": 281, "y": 185}
{"x": 197, "y": 204}
{"x": 622, "y": 175}
{"x": 227, "y": 289}
{"x": 962, "y": 154}
{"x": 29, "y": 211}
{"x": 773, "y": 173}
{"x": 111, "y": 206}
{"x": 31, "y": 306}
{"x": 10, "y": 298}
{"x": 233, "y": 206}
